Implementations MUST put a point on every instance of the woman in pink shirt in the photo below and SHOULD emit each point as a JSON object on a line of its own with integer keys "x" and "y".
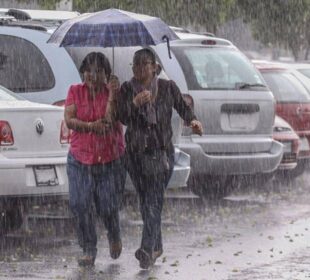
{"x": 95, "y": 160}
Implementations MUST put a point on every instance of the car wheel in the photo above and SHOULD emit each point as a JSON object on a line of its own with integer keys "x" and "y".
{"x": 297, "y": 171}
{"x": 211, "y": 187}
{"x": 11, "y": 217}
{"x": 247, "y": 182}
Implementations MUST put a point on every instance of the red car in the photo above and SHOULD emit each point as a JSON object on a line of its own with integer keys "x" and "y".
{"x": 284, "y": 133}
{"x": 293, "y": 105}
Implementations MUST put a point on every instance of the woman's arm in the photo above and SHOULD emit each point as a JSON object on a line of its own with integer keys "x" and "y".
{"x": 72, "y": 122}
{"x": 184, "y": 110}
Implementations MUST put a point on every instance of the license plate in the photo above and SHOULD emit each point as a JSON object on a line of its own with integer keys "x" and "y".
{"x": 45, "y": 175}
{"x": 246, "y": 122}
{"x": 304, "y": 146}
{"x": 287, "y": 147}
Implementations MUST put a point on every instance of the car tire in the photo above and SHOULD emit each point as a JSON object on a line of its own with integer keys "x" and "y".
{"x": 248, "y": 182}
{"x": 211, "y": 187}
{"x": 297, "y": 171}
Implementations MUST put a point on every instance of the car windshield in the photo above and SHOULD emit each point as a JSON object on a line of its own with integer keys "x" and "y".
{"x": 285, "y": 87}
{"x": 305, "y": 72}
{"x": 216, "y": 69}
{"x": 6, "y": 95}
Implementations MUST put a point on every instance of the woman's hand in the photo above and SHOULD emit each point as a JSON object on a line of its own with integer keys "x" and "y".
{"x": 100, "y": 127}
{"x": 113, "y": 84}
{"x": 142, "y": 98}
{"x": 196, "y": 127}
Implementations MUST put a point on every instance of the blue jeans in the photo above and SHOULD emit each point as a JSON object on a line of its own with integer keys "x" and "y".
{"x": 151, "y": 191}
{"x": 99, "y": 185}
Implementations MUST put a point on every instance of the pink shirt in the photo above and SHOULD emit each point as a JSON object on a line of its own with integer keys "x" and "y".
{"x": 90, "y": 148}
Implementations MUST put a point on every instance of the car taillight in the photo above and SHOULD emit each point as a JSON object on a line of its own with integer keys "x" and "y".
{"x": 6, "y": 134}
{"x": 65, "y": 133}
{"x": 190, "y": 102}
{"x": 60, "y": 103}
{"x": 208, "y": 42}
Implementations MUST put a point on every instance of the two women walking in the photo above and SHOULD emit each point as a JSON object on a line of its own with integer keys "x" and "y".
{"x": 96, "y": 171}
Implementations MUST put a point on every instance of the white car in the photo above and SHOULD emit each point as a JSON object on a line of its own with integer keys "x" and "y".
{"x": 43, "y": 73}
{"x": 33, "y": 152}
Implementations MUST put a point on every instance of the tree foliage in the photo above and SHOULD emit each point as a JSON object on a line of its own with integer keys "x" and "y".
{"x": 205, "y": 15}
{"x": 282, "y": 23}
{"x": 276, "y": 23}
{"x": 202, "y": 14}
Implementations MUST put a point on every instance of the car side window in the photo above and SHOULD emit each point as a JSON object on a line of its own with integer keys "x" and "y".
{"x": 285, "y": 87}
{"x": 23, "y": 67}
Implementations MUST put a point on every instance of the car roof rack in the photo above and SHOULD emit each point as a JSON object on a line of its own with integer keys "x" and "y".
{"x": 204, "y": 33}
{"x": 27, "y": 25}
{"x": 179, "y": 29}
{"x": 18, "y": 14}
{"x": 56, "y": 16}
{"x": 5, "y": 18}
{"x": 184, "y": 30}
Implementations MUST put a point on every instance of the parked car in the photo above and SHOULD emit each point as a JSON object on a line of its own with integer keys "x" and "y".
{"x": 293, "y": 105}
{"x": 285, "y": 134}
{"x": 302, "y": 72}
{"x": 302, "y": 68}
{"x": 33, "y": 154}
{"x": 229, "y": 97}
{"x": 43, "y": 72}
{"x": 46, "y": 17}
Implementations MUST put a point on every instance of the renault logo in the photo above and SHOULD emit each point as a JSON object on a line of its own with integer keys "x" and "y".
{"x": 39, "y": 126}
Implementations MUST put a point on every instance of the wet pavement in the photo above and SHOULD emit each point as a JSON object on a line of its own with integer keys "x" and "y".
{"x": 254, "y": 234}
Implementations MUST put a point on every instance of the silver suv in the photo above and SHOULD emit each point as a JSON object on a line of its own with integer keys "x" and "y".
{"x": 231, "y": 100}
{"x": 235, "y": 106}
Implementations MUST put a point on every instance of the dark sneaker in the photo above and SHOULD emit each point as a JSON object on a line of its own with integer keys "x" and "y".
{"x": 86, "y": 260}
{"x": 115, "y": 249}
{"x": 144, "y": 258}
{"x": 157, "y": 254}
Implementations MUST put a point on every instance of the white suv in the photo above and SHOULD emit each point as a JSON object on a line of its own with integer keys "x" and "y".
{"x": 231, "y": 100}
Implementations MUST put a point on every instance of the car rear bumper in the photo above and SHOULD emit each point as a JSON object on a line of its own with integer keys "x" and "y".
{"x": 233, "y": 163}
{"x": 18, "y": 177}
{"x": 180, "y": 173}
{"x": 289, "y": 161}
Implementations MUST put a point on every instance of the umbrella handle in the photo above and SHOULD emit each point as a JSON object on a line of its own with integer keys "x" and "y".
{"x": 165, "y": 37}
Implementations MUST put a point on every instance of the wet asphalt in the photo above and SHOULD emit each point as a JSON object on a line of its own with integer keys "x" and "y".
{"x": 260, "y": 233}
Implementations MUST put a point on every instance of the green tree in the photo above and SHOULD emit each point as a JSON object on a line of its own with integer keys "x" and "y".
{"x": 205, "y": 15}
{"x": 48, "y": 4}
{"x": 202, "y": 14}
{"x": 279, "y": 23}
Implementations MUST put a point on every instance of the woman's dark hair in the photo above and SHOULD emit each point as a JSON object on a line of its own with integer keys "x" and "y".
{"x": 98, "y": 58}
{"x": 145, "y": 52}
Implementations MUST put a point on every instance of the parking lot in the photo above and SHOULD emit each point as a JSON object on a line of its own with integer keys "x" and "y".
{"x": 245, "y": 211}
{"x": 254, "y": 234}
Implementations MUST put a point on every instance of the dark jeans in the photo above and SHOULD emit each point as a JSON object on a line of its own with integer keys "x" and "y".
{"x": 99, "y": 185}
{"x": 150, "y": 190}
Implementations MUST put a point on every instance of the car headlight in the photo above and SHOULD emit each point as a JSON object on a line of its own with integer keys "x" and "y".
{"x": 281, "y": 129}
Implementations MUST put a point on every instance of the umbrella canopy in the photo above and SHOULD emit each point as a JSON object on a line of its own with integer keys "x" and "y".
{"x": 112, "y": 28}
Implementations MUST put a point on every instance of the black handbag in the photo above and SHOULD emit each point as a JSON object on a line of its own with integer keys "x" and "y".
{"x": 154, "y": 163}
